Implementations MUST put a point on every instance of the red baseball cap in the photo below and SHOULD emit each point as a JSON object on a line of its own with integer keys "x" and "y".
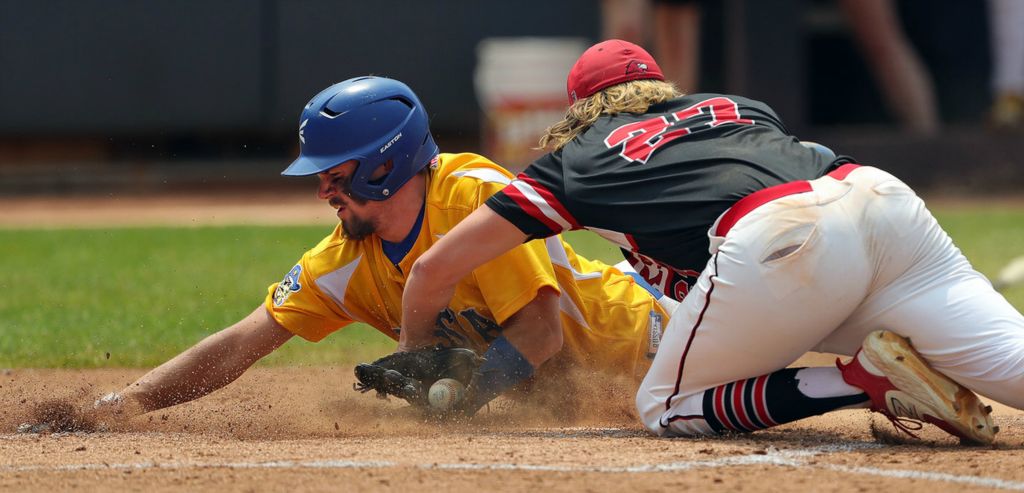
{"x": 608, "y": 63}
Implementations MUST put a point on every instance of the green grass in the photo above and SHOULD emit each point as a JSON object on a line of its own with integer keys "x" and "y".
{"x": 142, "y": 295}
{"x": 71, "y": 297}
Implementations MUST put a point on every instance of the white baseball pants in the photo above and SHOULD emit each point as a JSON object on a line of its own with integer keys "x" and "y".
{"x": 816, "y": 266}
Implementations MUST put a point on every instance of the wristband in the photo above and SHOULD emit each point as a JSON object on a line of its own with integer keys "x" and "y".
{"x": 503, "y": 367}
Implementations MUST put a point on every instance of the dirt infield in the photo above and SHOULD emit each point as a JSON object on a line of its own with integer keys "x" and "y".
{"x": 287, "y": 207}
{"x": 305, "y": 429}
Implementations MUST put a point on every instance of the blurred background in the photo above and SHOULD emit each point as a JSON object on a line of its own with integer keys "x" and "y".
{"x": 109, "y": 96}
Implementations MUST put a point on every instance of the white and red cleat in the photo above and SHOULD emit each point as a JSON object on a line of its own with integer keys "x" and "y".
{"x": 904, "y": 388}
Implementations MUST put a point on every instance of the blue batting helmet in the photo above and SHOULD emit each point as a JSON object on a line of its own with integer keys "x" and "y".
{"x": 371, "y": 120}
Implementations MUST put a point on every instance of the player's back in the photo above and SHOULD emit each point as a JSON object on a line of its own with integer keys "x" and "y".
{"x": 664, "y": 176}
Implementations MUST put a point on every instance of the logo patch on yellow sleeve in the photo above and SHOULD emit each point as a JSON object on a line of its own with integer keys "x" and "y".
{"x": 288, "y": 285}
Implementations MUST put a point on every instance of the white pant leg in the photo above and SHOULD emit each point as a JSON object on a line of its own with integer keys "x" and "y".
{"x": 925, "y": 289}
{"x": 786, "y": 275}
{"x": 967, "y": 331}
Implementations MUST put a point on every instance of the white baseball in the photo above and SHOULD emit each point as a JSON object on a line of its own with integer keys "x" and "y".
{"x": 445, "y": 394}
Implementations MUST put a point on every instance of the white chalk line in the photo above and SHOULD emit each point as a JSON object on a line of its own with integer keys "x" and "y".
{"x": 771, "y": 457}
{"x": 929, "y": 476}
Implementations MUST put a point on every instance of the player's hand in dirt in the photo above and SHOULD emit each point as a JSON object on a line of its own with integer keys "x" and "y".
{"x": 114, "y": 408}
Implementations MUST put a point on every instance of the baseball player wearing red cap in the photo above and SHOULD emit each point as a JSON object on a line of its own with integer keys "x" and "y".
{"x": 774, "y": 249}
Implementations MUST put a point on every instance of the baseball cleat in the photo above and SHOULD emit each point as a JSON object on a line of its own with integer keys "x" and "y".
{"x": 904, "y": 388}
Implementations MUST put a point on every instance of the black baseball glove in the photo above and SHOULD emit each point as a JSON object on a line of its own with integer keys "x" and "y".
{"x": 409, "y": 375}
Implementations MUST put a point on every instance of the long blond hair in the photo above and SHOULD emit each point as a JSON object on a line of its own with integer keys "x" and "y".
{"x": 629, "y": 97}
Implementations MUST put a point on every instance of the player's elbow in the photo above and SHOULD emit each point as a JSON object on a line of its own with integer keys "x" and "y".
{"x": 552, "y": 343}
{"x": 549, "y": 339}
{"x": 536, "y": 330}
{"x": 433, "y": 272}
{"x": 556, "y": 336}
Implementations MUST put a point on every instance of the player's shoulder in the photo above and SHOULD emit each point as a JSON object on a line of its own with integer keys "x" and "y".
{"x": 697, "y": 100}
{"x": 461, "y": 179}
{"x": 332, "y": 251}
{"x": 465, "y": 169}
{"x": 743, "y": 104}
{"x": 698, "y": 110}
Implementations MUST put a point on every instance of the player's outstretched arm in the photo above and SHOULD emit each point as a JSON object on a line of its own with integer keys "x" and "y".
{"x": 209, "y": 365}
{"x": 481, "y": 237}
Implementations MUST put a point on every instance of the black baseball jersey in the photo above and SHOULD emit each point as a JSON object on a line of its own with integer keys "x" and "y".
{"x": 654, "y": 183}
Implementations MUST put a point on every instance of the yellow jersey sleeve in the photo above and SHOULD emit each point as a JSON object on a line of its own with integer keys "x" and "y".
{"x": 299, "y": 306}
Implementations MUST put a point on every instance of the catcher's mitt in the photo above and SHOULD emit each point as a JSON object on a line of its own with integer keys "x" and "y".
{"x": 409, "y": 375}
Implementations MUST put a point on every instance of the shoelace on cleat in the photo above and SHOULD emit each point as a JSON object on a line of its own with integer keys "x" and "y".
{"x": 902, "y": 424}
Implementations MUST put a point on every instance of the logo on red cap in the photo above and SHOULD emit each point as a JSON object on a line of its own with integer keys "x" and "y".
{"x": 635, "y": 66}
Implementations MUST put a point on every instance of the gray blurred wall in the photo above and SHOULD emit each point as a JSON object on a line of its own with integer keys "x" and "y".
{"x": 114, "y": 66}
{"x": 113, "y": 91}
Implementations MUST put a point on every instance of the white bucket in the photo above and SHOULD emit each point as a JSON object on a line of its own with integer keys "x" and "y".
{"x": 520, "y": 84}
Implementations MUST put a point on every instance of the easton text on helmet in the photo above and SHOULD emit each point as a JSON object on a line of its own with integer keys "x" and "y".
{"x": 392, "y": 141}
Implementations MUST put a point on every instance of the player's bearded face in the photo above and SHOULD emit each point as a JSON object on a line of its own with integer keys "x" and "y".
{"x": 336, "y": 187}
{"x": 357, "y": 228}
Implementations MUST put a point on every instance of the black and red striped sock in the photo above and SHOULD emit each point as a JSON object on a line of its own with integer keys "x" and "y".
{"x": 766, "y": 401}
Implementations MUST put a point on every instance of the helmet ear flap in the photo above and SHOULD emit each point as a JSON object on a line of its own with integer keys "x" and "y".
{"x": 371, "y": 120}
{"x": 377, "y": 176}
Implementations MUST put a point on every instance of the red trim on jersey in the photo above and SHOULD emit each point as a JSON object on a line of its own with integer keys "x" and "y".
{"x": 550, "y": 198}
{"x": 632, "y": 242}
{"x": 530, "y": 208}
{"x": 739, "y": 408}
{"x": 757, "y": 199}
{"x": 760, "y": 406}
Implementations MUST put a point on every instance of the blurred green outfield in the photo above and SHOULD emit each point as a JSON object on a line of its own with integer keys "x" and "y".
{"x": 135, "y": 297}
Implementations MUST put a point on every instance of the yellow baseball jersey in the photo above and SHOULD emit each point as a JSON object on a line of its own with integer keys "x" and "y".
{"x": 608, "y": 320}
